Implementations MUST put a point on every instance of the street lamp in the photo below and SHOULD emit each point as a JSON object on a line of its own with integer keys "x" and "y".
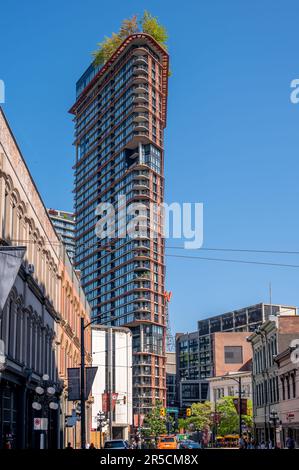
{"x": 273, "y": 420}
{"x": 102, "y": 421}
{"x": 239, "y": 382}
{"x": 44, "y": 399}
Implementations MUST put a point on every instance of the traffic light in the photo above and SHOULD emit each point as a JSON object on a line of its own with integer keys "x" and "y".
{"x": 188, "y": 412}
{"x": 162, "y": 412}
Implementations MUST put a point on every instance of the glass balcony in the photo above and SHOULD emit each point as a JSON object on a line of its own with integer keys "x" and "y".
{"x": 141, "y": 60}
{"x": 141, "y": 126}
{"x": 142, "y": 317}
{"x": 141, "y": 87}
{"x": 141, "y": 185}
{"x": 140, "y": 117}
{"x": 139, "y": 68}
{"x": 141, "y": 175}
{"x": 140, "y": 97}
{"x": 142, "y": 267}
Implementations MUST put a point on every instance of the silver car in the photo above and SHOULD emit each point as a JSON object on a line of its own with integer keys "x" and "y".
{"x": 116, "y": 444}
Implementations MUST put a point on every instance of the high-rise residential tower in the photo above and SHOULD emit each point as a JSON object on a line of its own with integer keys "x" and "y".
{"x": 64, "y": 223}
{"x": 120, "y": 116}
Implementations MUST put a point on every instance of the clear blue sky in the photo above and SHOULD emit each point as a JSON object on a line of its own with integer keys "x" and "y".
{"x": 232, "y": 138}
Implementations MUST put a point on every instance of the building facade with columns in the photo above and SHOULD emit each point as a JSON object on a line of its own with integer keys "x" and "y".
{"x": 268, "y": 343}
{"x": 288, "y": 385}
{"x": 39, "y": 321}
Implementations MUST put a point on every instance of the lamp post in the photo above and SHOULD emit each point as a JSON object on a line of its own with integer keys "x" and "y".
{"x": 239, "y": 382}
{"x": 273, "y": 420}
{"x": 102, "y": 421}
{"x": 44, "y": 400}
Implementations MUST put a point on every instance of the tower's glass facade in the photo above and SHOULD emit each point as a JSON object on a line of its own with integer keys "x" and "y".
{"x": 120, "y": 115}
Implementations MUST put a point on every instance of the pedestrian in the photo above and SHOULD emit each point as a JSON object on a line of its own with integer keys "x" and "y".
{"x": 290, "y": 443}
{"x": 92, "y": 446}
{"x": 262, "y": 445}
{"x": 241, "y": 443}
{"x": 69, "y": 446}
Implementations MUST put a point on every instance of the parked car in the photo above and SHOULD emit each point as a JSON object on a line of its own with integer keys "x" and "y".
{"x": 188, "y": 444}
{"x": 117, "y": 444}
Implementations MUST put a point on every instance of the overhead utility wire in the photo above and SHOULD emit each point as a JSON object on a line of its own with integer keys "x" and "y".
{"x": 234, "y": 261}
{"x": 90, "y": 245}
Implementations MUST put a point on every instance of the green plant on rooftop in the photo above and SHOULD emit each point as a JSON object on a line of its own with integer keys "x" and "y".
{"x": 148, "y": 24}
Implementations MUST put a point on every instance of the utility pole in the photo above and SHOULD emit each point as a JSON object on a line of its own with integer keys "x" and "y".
{"x": 240, "y": 406}
{"x": 82, "y": 388}
{"x": 110, "y": 385}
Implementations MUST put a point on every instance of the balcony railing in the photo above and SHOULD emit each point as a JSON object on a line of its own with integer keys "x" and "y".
{"x": 141, "y": 126}
{"x": 139, "y": 68}
{"x": 140, "y": 117}
{"x": 140, "y": 97}
{"x": 141, "y": 59}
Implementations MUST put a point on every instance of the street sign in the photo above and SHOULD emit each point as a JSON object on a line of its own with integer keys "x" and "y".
{"x": 172, "y": 410}
{"x": 40, "y": 424}
{"x": 290, "y": 416}
{"x": 36, "y": 424}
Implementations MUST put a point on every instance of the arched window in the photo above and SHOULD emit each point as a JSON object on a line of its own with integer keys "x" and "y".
{"x": 4, "y": 214}
{"x": 293, "y": 376}
{"x": 283, "y": 388}
{"x": 19, "y": 334}
{"x": 11, "y": 328}
{"x": 288, "y": 387}
{"x": 33, "y": 348}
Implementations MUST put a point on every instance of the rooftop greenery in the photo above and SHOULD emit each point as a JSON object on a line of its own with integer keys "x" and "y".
{"x": 147, "y": 24}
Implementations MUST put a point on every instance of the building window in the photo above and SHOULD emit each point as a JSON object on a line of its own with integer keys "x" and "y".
{"x": 190, "y": 391}
{"x": 288, "y": 387}
{"x": 283, "y": 388}
{"x": 219, "y": 392}
{"x": 293, "y": 385}
{"x": 11, "y": 326}
{"x": 233, "y": 354}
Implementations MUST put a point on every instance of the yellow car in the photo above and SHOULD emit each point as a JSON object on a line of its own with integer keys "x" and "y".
{"x": 167, "y": 442}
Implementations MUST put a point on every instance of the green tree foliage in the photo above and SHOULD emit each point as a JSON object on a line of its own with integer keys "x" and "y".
{"x": 128, "y": 27}
{"x": 106, "y": 49}
{"x": 182, "y": 424}
{"x": 200, "y": 417}
{"x": 148, "y": 24}
{"x": 229, "y": 417}
{"x": 155, "y": 424}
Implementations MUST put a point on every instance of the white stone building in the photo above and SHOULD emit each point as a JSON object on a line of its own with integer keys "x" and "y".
{"x": 112, "y": 387}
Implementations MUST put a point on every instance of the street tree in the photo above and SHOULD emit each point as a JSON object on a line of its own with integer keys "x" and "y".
{"x": 200, "y": 418}
{"x": 154, "y": 423}
{"x": 229, "y": 416}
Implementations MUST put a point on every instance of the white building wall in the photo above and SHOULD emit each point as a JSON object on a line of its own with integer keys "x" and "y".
{"x": 98, "y": 360}
{"x": 123, "y": 373}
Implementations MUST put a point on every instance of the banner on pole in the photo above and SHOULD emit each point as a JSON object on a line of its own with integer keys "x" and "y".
{"x": 11, "y": 258}
{"x": 74, "y": 382}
